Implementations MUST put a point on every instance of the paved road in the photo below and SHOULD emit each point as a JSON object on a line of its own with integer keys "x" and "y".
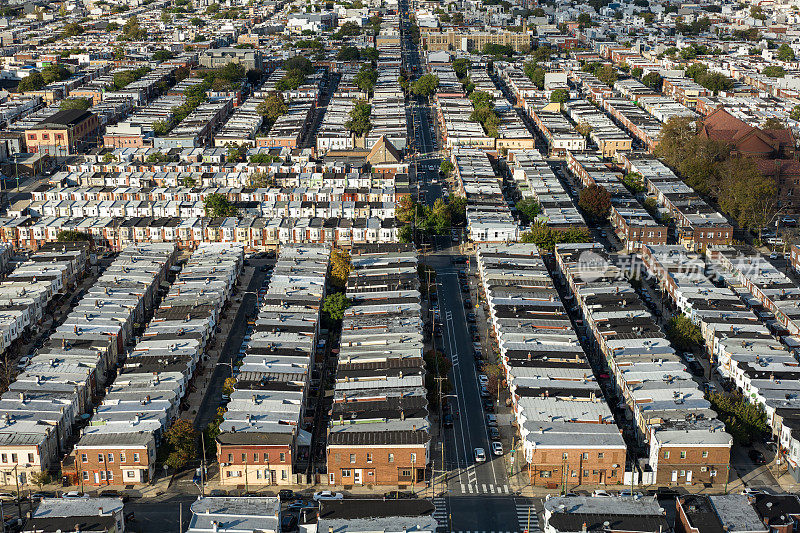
{"x": 208, "y": 407}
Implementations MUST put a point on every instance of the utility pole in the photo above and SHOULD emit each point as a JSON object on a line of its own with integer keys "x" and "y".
{"x": 203, "y": 466}
{"x": 180, "y": 517}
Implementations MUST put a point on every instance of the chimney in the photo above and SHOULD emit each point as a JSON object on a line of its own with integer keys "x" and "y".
{"x": 99, "y": 511}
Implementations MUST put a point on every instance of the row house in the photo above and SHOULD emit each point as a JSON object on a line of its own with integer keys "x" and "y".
{"x": 265, "y": 427}
{"x": 566, "y": 427}
{"x": 118, "y": 447}
{"x": 379, "y": 430}
{"x": 59, "y": 385}
{"x": 687, "y": 443}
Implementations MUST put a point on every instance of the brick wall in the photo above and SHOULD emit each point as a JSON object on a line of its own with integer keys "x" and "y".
{"x": 389, "y": 465}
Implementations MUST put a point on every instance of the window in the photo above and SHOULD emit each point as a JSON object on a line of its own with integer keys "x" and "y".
{"x": 704, "y": 469}
{"x": 135, "y": 457}
{"x": 600, "y": 455}
{"x": 244, "y": 457}
{"x": 585, "y": 455}
{"x": 406, "y": 472}
{"x": 369, "y": 457}
{"x": 109, "y": 474}
{"x": 45, "y": 136}
{"x": 84, "y": 458}
{"x": 230, "y": 457}
{"x": 391, "y": 457}
{"x": 574, "y": 473}
{"x": 331, "y": 478}
{"x": 283, "y": 474}
{"x": 564, "y": 455}
{"x": 585, "y": 473}
{"x": 103, "y": 475}
{"x": 413, "y": 458}
{"x": 255, "y": 457}
{"x": 613, "y": 473}
{"x": 85, "y": 475}
{"x": 705, "y": 453}
{"x": 346, "y": 472}
{"x": 30, "y": 458}
{"x": 713, "y": 473}
{"x": 13, "y": 458}
{"x": 545, "y": 473}
{"x": 266, "y": 457}
{"x": 121, "y": 457}
{"x": 101, "y": 458}
{"x": 31, "y": 136}
{"x": 283, "y": 457}
{"x": 111, "y": 458}
{"x": 352, "y": 458}
{"x": 683, "y": 455}
{"x": 666, "y": 454}
{"x": 683, "y": 473}
{"x": 130, "y": 473}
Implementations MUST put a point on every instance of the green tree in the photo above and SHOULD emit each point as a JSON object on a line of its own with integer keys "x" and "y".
{"x": 425, "y": 85}
{"x": 217, "y": 206}
{"x": 535, "y": 73}
{"x": 652, "y": 80}
{"x": 446, "y": 167}
{"x": 76, "y": 103}
{"x": 606, "y": 74}
{"x": 334, "y": 306}
{"x": 160, "y": 128}
{"x": 181, "y": 438}
{"x": 348, "y": 53}
{"x": 773, "y": 123}
{"x": 162, "y": 55}
{"x": 32, "y": 82}
{"x": 559, "y": 96}
{"x": 272, "y": 107}
{"x": 584, "y": 19}
{"x": 595, "y": 201}
{"x": 54, "y": 73}
{"x": 359, "y": 122}
{"x": 72, "y": 29}
{"x": 785, "y": 53}
{"x": 69, "y": 235}
{"x": 744, "y": 421}
{"x": 340, "y": 267}
{"x": 461, "y": 66}
{"x": 636, "y": 72}
{"x": 497, "y": 50}
{"x": 795, "y": 112}
{"x": 406, "y": 234}
{"x": 774, "y": 71}
{"x": 366, "y": 78}
{"x": 683, "y": 334}
{"x": 546, "y": 238}
{"x": 528, "y": 209}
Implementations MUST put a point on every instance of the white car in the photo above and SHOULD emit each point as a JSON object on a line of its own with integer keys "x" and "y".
{"x": 497, "y": 448}
{"x": 480, "y": 455}
{"x": 750, "y": 492}
{"x": 327, "y": 495}
{"x": 600, "y": 493}
{"x": 483, "y": 379}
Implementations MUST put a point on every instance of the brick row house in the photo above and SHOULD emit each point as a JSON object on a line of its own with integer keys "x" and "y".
{"x": 379, "y": 427}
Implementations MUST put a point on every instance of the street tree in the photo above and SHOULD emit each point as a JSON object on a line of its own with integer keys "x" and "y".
{"x": 181, "y": 438}
{"x": 595, "y": 201}
{"x": 334, "y": 306}
{"x": 559, "y": 96}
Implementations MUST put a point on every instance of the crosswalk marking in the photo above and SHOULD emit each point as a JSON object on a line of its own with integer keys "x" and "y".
{"x": 522, "y": 517}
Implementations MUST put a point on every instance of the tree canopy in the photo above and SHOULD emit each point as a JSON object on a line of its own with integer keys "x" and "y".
{"x": 76, "y": 103}
{"x": 340, "y": 267}
{"x": 425, "y": 85}
{"x": 595, "y": 201}
{"x": 359, "y": 121}
{"x": 217, "y": 205}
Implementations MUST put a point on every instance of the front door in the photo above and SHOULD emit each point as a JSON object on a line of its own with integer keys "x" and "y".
{"x": 674, "y": 476}
{"x": 357, "y": 476}
{"x": 97, "y": 478}
{"x": 688, "y": 476}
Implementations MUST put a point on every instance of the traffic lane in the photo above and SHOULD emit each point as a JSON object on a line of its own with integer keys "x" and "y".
{"x": 472, "y": 414}
{"x": 483, "y": 513}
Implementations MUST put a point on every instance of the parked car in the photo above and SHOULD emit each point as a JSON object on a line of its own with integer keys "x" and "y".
{"x": 286, "y": 495}
{"x": 757, "y": 457}
{"x": 483, "y": 379}
{"x": 480, "y": 455}
{"x": 447, "y": 420}
{"x": 296, "y": 505}
{"x": 115, "y": 494}
{"x": 497, "y": 448}
{"x": 494, "y": 433}
{"x": 327, "y": 495}
{"x": 288, "y": 523}
{"x": 491, "y": 420}
{"x": 600, "y": 493}
{"x": 488, "y": 405}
